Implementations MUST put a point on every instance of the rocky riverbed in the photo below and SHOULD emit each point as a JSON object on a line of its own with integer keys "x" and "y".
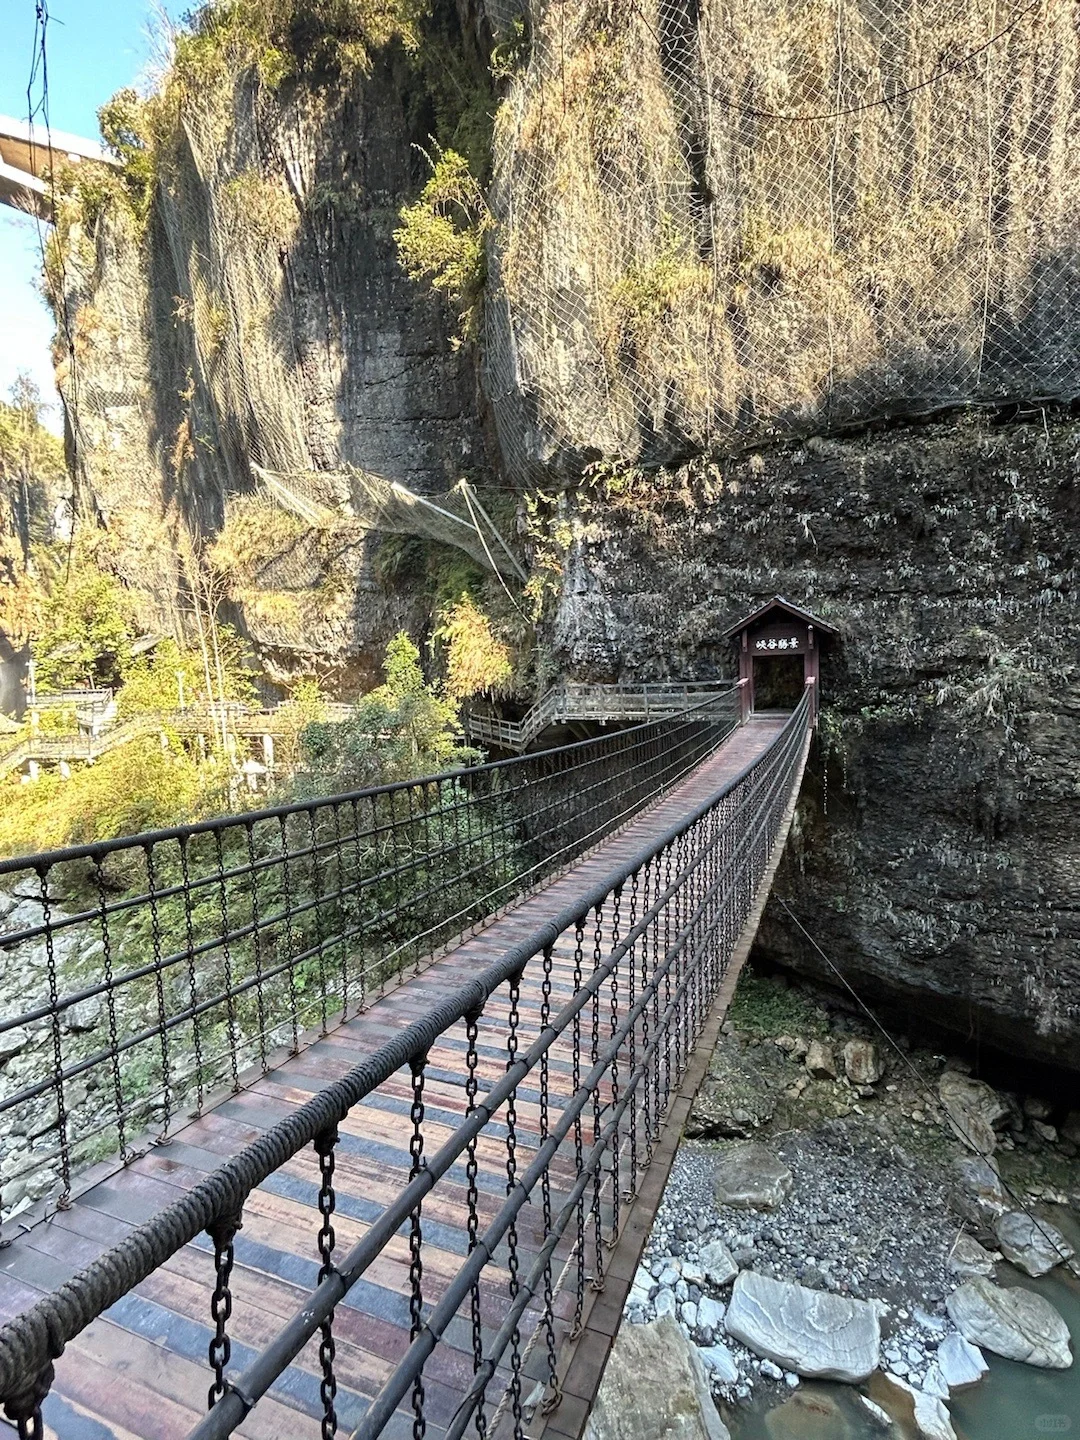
{"x": 830, "y": 1220}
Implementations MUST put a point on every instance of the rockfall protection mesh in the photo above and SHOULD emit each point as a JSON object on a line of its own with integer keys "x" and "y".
{"x": 720, "y": 222}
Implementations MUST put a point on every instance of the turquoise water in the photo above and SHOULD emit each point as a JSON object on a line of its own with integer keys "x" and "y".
{"x": 1014, "y": 1402}
{"x": 1021, "y": 1402}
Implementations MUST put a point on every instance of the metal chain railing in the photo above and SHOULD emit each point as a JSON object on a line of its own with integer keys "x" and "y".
{"x": 612, "y": 992}
{"x": 155, "y": 968}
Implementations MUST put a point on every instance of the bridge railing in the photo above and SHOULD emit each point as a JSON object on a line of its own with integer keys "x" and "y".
{"x": 143, "y": 973}
{"x": 625, "y": 977}
{"x": 577, "y": 700}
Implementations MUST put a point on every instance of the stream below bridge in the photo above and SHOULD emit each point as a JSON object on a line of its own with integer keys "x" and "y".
{"x": 1014, "y": 1402}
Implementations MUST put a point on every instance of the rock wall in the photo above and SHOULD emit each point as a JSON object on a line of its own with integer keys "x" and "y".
{"x": 261, "y": 319}
{"x": 935, "y": 856}
{"x": 721, "y": 223}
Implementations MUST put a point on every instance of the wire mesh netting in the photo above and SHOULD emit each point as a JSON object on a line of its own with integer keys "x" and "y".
{"x": 725, "y": 221}
{"x": 715, "y": 223}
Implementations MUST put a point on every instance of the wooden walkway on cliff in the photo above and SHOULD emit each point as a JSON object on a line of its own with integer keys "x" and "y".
{"x": 139, "y": 1371}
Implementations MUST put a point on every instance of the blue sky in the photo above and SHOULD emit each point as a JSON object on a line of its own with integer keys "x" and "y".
{"x": 94, "y": 48}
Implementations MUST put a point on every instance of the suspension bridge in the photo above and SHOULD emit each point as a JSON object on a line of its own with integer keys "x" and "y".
{"x": 352, "y": 1116}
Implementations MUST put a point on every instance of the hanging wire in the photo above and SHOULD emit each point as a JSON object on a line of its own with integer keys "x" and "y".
{"x": 37, "y": 108}
{"x": 899, "y": 93}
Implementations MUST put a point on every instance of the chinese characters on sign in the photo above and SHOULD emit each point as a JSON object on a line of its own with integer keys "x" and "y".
{"x": 774, "y": 644}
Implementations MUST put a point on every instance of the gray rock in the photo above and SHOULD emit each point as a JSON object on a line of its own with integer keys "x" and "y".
{"x": 1034, "y": 1245}
{"x": 688, "y": 1314}
{"x": 1037, "y": 1109}
{"x": 820, "y": 1060}
{"x": 717, "y": 1265}
{"x": 967, "y": 1258}
{"x": 863, "y": 1064}
{"x": 974, "y": 1109}
{"x": 934, "y": 1382}
{"x": 880, "y": 1417}
{"x": 665, "y": 1303}
{"x": 961, "y": 1364}
{"x": 750, "y": 1177}
{"x": 977, "y": 1194}
{"x": 710, "y": 1313}
{"x": 42, "y": 1118}
{"x": 719, "y": 1361}
{"x": 654, "y": 1388}
{"x": 813, "y": 1333}
{"x": 84, "y": 1016}
{"x": 1016, "y": 1323}
{"x": 740, "y": 1093}
{"x": 640, "y": 1294}
{"x": 13, "y": 1042}
{"x": 930, "y": 1414}
{"x": 1070, "y": 1130}
{"x": 1045, "y": 1132}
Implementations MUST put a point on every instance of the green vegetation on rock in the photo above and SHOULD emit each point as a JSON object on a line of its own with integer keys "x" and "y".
{"x": 441, "y": 236}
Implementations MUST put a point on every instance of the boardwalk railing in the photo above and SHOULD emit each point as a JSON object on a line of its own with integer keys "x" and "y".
{"x": 572, "y": 700}
{"x": 572, "y": 1096}
{"x": 198, "y": 719}
{"x": 144, "y": 972}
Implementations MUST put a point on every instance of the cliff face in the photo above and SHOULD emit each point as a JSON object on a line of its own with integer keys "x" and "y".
{"x": 726, "y": 223}
{"x": 936, "y": 856}
{"x": 714, "y": 228}
{"x": 261, "y": 319}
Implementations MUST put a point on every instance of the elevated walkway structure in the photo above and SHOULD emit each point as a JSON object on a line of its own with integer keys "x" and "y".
{"x": 395, "y": 1081}
{"x": 575, "y": 700}
{"x": 29, "y": 152}
{"x": 237, "y": 721}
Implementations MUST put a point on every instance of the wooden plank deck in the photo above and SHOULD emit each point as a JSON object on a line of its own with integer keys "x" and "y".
{"x": 141, "y": 1370}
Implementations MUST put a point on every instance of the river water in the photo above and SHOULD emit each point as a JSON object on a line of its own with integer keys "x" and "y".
{"x": 1014, "y": 1402}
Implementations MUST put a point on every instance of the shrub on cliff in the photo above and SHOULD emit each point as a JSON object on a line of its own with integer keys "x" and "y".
{"x": 87, "y": 627}
{"x": 477, "y": 660}
{"x": 441, "y": 236}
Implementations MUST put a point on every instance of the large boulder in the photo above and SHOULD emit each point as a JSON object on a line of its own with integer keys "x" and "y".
{"x": 974, "y": 1109}
{"x": 1017, "y": 1324}
{"x": 741, "y": 1091}
{"x": 750, "y": 1177}
{"x": 1034, "y": 1245}
{"x": 820, "y": 1060}
{"x": 818, "y": 1335}
{"x": 929, "y": 1413}
{"x": 718, "y": 1267}
{"x": 967, "y": 1258}
{"x": 654, "y": 1388}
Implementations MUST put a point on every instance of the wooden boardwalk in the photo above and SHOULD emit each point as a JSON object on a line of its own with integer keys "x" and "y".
{"x": 141, "y": 1370}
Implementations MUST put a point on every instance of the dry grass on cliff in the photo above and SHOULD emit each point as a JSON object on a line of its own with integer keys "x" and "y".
{"x": 871, "y": 257}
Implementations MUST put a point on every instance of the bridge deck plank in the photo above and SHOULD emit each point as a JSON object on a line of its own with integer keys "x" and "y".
{"x": 141, "y": 1369}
